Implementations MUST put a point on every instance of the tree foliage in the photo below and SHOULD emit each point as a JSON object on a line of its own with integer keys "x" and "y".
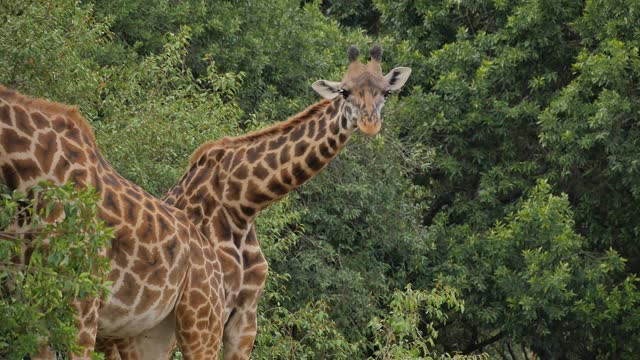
{"x": 504, "y": 181}
{"x": 61, "y": 261}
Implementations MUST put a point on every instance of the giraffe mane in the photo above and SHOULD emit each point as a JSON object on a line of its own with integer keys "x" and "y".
{"x": 278, "y": 128}
{"x": 48, "y": 107}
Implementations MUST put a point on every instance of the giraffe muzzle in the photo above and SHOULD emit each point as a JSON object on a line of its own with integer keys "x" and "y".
{"x": 370, "y": 125}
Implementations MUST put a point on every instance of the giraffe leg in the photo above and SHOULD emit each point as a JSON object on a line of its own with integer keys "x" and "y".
{"x": 199, "y": 311}
{"x": 44, "y": 354}
{"x": 87, "y": 321}
{"x": 109, "y": 348}
{"x": 240, "y": 333}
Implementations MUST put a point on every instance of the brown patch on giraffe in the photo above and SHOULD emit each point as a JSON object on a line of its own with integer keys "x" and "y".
{"x": 148, "y": 298}
{"x": 45, "y": 149}
{"x": 110, "y": 202}
{"x": 254, "y": 153}
{"x": 198, "y": 179}
{"x": 221, "y": 228}
{"x": 251, "y": 258}
{"x": 342, "y": 138}
{"x": 23, "y": 121}
{"x": 121, "y": 248}
{"x": 27, "y": 169}
{"x": 251, "y": 238}
{"x": 298, "y": 133}
{"x": 195, "y": 214}
{"x": 344, "y": 123}
{"x": 108, "y": 219}
{"x": 226, "y": 160}
{"x": 241, "y": 172}
{"x": 245, "y": 297}
{"x": 146, "y": 230}
{"x": 238, "y": 157}
{"x": 260, "y": 171}
{"x": 255, "y": 276}
{"x": 278, "y": 142}
{"x": 85, "y": 339}
{"x": 284, "y": 154}
{"x": 197, "y": 299}
{"x": 197, "y": 258}
{"x": 158, "y": 277}
{"x": 130, "y": 208}
{"x": 271, "y": 161}
{"x": 128, "y": 291}
{"x": 12, "y": 142}
{"x": 111, "y": 180}
{"x": 169, "y": 248}
{"x": 114, "y": 311}
{"x": 231, "y": 256}
{"x": 5, "y": 115}
{"x": 78, "y": 177}
{"x": 164, "y": 229}
{"x": 209, "y": 203}
{"x": 300, "y": 148}
{"x": 39, "y": 120}
{"x": 149, "y": 205}
{"x": 247, "y": 210}
{"x": 97, "y": 183}
{"x": 197, "y": 273}
{"x": 313, "y": 162}
{"x": 74, "y": 134}
{"x": 73, "y": 153}
{"x": 187, "y": 318}
{"x": 234, "y": 188}
{"x": 236, "y": 217}
{"x": 334, "y": 127}
{"x": 217, "y": 183}
{"x": 255, "y": 194}
{"x": 311, "y": 129}
{"x": 147, "y": 260}
{"x": 10, "y": 176}
{"x": 277, "y": 187}
{"x": 176, "y": 275}
{"x": 324, "y": 151}
{"x": 322, "y": 129}
{"x": 59, "y": 124}
{"x": 332, "y": 144}
{"x": 300, "y": 173}
{"x": 286, "y": 177}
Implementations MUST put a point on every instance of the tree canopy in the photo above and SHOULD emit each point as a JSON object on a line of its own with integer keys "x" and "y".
{"x": 495, "y": 215}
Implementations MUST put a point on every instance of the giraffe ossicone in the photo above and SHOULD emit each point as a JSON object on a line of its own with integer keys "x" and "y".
{"x": 167, "y": 280}
{"x": 229, "y": 181}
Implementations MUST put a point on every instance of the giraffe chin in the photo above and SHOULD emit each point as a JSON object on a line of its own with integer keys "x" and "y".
{"x": 370, "y": 128}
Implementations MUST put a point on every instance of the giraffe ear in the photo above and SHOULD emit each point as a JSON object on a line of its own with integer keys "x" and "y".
{"x": 327, "y": 89}
{"x": 397, "y": 77}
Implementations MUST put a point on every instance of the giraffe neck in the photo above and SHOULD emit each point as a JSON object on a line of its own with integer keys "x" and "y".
{"x": 248, "y": 173}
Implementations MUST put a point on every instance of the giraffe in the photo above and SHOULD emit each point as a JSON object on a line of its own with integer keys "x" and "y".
{"x": 231, "y": 180}
{"x": 167, "y": 280}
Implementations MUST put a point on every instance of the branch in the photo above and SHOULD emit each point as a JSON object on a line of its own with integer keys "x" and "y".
{"x": 473, "y": 347}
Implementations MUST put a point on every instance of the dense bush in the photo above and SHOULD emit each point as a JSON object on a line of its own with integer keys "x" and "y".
{"x": 61, "y": 261}
{"x": 504, "y": 181}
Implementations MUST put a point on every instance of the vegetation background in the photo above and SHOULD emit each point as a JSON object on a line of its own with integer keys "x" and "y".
{"x": 496, "y": 214}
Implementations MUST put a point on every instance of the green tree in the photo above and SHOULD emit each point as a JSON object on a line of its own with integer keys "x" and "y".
{"x": 63, "y": 260}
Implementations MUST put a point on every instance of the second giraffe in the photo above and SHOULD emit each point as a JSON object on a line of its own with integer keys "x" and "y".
{"x": 231, "y": 180}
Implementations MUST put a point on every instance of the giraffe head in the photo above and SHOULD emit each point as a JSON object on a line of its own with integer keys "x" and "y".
{"x": 364, "y": 88}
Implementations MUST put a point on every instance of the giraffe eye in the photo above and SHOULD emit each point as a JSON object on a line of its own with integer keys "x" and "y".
{"x": 345, "y": 93}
